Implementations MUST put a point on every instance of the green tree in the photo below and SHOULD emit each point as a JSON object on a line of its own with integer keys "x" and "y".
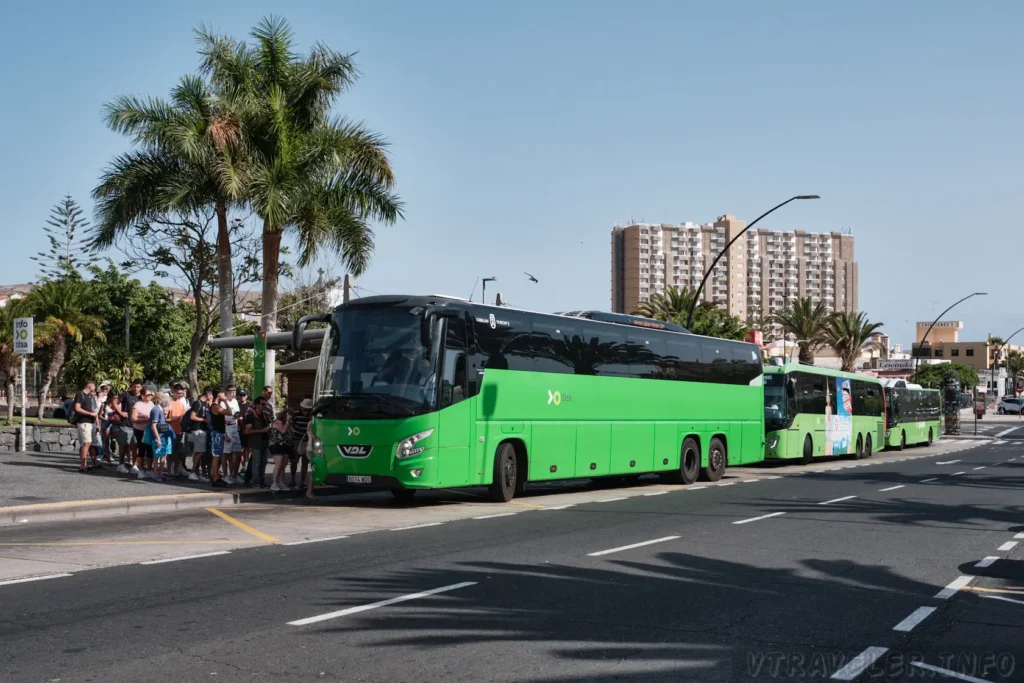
{"x": 64, "y": 231}
{"x": 10, "y": 362}
{"x": 321, "y": 178}
{"x": 186, "y": 161}
{"x": 671, "y": 305}
{"x": 806, "y": 321}
{"x": 59, "y": 310}
{"x": 1014, "y": 367}
{"x": 934, "y": 375}
{"x": 847, "y": 333}
{"x": 712, "y": 321}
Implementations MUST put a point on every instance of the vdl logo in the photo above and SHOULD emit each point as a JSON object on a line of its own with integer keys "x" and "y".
{"x": 353, "y": 431}
{"x": 556, "y": 398}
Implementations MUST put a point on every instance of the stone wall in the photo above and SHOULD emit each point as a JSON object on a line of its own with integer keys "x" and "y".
{"x": 50, "y": 438}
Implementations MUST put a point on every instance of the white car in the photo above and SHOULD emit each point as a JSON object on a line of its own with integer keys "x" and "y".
{"x": 1009, "y": 406}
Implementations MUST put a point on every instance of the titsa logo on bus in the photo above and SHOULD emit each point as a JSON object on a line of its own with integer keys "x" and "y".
{"x": 556, "y": 397}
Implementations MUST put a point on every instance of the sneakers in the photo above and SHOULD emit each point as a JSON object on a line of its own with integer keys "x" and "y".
{"x": 140, "y": 475}
{"x": 134, "y": 470}
{"x": 204, "y": 480}
{"x": 229, "y": 480}
{"x": 193, "y": 477}
{"x": 275, "y": 488}
{"x": 219, "y": 484}
{"x": 122, "y": 468}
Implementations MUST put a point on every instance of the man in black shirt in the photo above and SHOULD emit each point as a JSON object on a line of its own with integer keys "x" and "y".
{"x": 128, "y": 449}
{"x": 85, "y": 412}
{"x": 200, "y": 436}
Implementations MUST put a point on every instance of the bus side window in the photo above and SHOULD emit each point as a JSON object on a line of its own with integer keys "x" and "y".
{"x": 646, "y": 351}
{"x": 552, "y": 347}
{"x": 453, "y": 381}
{"x": 608, "y": 343}
{"x": 682, "y": 359}
{"x": 717, "y": 361}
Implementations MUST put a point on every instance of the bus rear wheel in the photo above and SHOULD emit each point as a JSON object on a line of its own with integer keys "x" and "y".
{"x": 808, "y": 451}
{"x": 859, "y": 454}
{"x": 717, "y": 461}
{"x": 689, "y": 463}
{"x": 506, "y": 474}
{"x": 867, "y": 447}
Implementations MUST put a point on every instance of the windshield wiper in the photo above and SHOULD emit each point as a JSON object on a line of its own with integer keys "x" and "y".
{"x": 388, "y": 400}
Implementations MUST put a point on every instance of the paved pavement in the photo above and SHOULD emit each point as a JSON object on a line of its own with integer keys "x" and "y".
{"x": 842, "y": 571}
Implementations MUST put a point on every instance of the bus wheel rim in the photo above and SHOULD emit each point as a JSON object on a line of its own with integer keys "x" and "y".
{"x": 716, "y": 459}
{"x": 510, "y": 472}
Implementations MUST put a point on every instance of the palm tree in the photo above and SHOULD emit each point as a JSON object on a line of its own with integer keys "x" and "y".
{"x": 807, "y": 322}
{"x": 187, "y": 160}
{"x": 320, "y": 178}
{"x": 59, "y": 305}
{"x": 1015, "y": 366}
{"x": 847, "y": 333}
{"x": 669, "y": 305}
{"x": 10, "y": 362}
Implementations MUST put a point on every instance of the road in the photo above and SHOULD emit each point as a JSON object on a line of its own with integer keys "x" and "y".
{"x": 841, "y": 571}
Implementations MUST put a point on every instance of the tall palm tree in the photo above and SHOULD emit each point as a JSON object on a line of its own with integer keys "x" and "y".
{"x": 669, "y": 305}
{"x": 1015, "y": 366}
{"x": 321, "y": 178}
{"x": 807, "y": 322}
{"x": 59, "y": 305}
{"x": 847, "y": 334}
{"x": 10, "y": 362}
{"x": 187, "y": 159}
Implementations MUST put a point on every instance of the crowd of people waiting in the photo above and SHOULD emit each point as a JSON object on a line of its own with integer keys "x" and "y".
{"x": 151, "y": 433}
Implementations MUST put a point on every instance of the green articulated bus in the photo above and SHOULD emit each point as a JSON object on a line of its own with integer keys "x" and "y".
{"x": 422, "y": 392}
{"x": 913, "y": 416}
{"x": 811, "y": 412}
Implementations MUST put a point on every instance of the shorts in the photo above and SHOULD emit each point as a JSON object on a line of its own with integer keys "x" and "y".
{"x": 125, "y": 435}
{"x": 85, "y": 433}
{"x": 217, "y": 444}
{"x": 281, "y": 449}
{"x": 236, "y": 440}
{"x": 198, "y": 441}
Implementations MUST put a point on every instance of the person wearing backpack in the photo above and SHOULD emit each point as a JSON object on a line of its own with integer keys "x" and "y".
{"x": 83, "y": 415}
{"x": 196, "y": 423}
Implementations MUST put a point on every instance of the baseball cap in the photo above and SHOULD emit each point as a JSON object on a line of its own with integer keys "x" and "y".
{"x": 243, "y": 392}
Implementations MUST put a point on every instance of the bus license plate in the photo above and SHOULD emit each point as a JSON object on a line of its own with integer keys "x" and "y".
{"x": 358, "y": 479}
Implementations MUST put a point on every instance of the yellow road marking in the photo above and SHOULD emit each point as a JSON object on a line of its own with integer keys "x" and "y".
{"x": 243, "y": 526}
{"x": 1014, "y": 591}
{"x": 526, "y": 505}
{"x": 75, "y": 543}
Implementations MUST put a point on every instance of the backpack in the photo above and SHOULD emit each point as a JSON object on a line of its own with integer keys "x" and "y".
{"x": 70, "y": 414}
{"x": 186, "y": 422}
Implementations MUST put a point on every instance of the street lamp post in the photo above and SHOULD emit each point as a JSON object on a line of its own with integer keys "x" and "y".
{"x": 707, "y": 274}
{"x": 485, "y": 281}
{"x": 920, "y": 346}
{"x": 1005, "y": 343}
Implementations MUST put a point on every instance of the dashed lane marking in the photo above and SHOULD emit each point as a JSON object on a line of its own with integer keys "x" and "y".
{"x": 382, "y": 603}
{"x": 609, "y": 500}
{"x": 915, "y": 618}
{"x": 243, "y": 526}
{"x": 315, "y": 540}
{"x": 859, "y": 664}
{"x": 958, "y": 473}
{"x": 979, "y": 468}
{"x": 987, "y": 562}
{"x": 1009, "y": 545}
{"x": 836, "y": 500}
{"x": 656, "y": 493}
{"x": 1007, "y": 431}
{"x": 186, "y": 557}
{"x": 925, "y": 481}
{"x": 892, "y": 488}
{"x": 632, "y": 546}
{"x": 948, "y": 462}
{"x": 417, "y": 526}
{"x": 947, "y": 673}
{"x": 756, "y": 519}
{"x": 27, "y": 579}
{"x": 950, "y": 590}
{"x": 500, "y": 514}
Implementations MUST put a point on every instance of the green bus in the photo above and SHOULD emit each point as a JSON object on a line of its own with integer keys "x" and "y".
{"x": 913, "y": 416}
{"x": 424, "y": 392}
{"x": 811, "y": 412}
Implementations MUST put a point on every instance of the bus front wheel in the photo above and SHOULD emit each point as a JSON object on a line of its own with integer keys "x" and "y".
{"x": 717, "y": 460}
{"x": 506, "y": 474}
{"x": 867, "y": 447}
{"x": 903, "y": 440}
{"x": 808, "y": 450}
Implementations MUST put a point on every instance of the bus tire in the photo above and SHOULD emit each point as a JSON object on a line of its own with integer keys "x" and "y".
{"x": 689, "y": 463}
{"x": 867, "y": 447}
{"x": 717, "y": 461}
{"x": 506, "y": 474}
{"x": 808, "y": 451}
{"x": 903, "y": 441}
{"x": 404, "y": 495}
{"x": 930, "y": 437}
{"x": 859, "y": 454}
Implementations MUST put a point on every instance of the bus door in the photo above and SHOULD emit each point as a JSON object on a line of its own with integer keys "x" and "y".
{"x": 455, "y": 418}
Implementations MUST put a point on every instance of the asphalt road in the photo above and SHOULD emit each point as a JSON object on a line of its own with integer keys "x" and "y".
{"x": 843, "y": 574}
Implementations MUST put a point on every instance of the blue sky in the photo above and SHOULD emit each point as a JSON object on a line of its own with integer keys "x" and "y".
{"x": 522, "y": 132}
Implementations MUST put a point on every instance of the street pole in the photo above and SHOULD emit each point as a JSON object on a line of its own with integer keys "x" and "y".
{"x": 24, "y": 405}
{"x": 925, "y": 337}
{"x": 127, "y": 328}
{"x": 707, "y": 274}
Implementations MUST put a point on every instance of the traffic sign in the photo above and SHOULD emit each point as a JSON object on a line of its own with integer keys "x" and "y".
{"x": 23, "y": 336}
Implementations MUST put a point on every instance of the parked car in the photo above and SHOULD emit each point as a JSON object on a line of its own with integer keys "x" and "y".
{"x": 1009, "y": 406}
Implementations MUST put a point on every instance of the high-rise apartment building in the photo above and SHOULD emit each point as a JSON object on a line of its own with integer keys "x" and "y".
{"x": 761, "y": 273}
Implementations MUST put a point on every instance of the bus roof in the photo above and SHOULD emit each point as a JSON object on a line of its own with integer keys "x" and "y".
{"x": 815, "y": 370}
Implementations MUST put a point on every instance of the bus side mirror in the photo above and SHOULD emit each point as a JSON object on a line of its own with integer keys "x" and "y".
{"x": 300, "y": 327}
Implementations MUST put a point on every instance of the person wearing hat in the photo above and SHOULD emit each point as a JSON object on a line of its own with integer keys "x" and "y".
{"x": 299, "y": 437}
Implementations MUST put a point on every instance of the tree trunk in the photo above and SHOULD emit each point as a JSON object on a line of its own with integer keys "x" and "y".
{"x": 268, "y": 306}
{"x": 196, "y": 344}
{"x": 225, "y": 294}
{"x": 57, "y": 350}
{"x": 10, "y": 401}
{"x": 806, "y": 356}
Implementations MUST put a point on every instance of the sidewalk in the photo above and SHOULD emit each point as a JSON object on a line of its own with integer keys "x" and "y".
{"x": 48, "y": 487}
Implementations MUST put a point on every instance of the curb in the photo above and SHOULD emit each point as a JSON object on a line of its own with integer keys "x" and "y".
{"x": 113, "y": 507}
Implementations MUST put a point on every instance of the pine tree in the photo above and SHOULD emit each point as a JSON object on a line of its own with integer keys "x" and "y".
{"x": 67, "y": 249}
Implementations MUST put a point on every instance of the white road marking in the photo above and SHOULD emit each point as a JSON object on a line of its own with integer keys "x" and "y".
{"x": 998, "y": 443}
{"x": 925, "y": 481}
{"x": 1009, "y": 545}
{"x": 656, "y": 493}
{"x": 859, "y": 664}
{"x": 382, "y": 603}
{"x": 953, "y": 587}
{"x": 10, "y": 582}
{"x": 500, "y": 514}
{"x": 979, "y": 468}
{"x": 999, "y": 597}
{"x": 755, "y": 519}
{"x": 836, "y": 500}
{"x": 561, "y": 507}
{"x": 417, "y": 526}
{"x": 957, "y": 473}
{"x": 1006, "y": 431}
{"x": 987, "y": 562}
{"x": 316, "y": 540}
{"x": 631, "y": 546}
{"x": 609, "y": 500}
{"x": 892, "y": 488}
{"x": 948, "y": 462}
{"x": 915, "y": 618}
{"x": 1020, "y": 535}
{"x": 695, "y": 488}
{"x": 774, "y": 477}
{"x": 187, "y": 557}
{"x": 949, "y": 674}
{"x": 730, "y": 483}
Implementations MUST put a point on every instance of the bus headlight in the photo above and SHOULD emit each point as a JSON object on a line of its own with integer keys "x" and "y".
{"x": 773, "y": 442}
{"x": 407, "y": 447}
{"x": 318, "y": 448}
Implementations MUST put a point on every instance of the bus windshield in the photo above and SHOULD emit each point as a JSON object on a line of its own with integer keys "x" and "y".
{"x": 374, "y": 365}
{"x": 776, "y": 414}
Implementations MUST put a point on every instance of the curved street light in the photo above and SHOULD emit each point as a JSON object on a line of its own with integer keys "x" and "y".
{"x": 707, "y": 274}
{"x": 920, "y": 345}
{"x": 1002, "y": 346}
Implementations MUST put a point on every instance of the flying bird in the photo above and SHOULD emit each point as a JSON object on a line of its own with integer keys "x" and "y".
{"x": 532, "y": 278}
